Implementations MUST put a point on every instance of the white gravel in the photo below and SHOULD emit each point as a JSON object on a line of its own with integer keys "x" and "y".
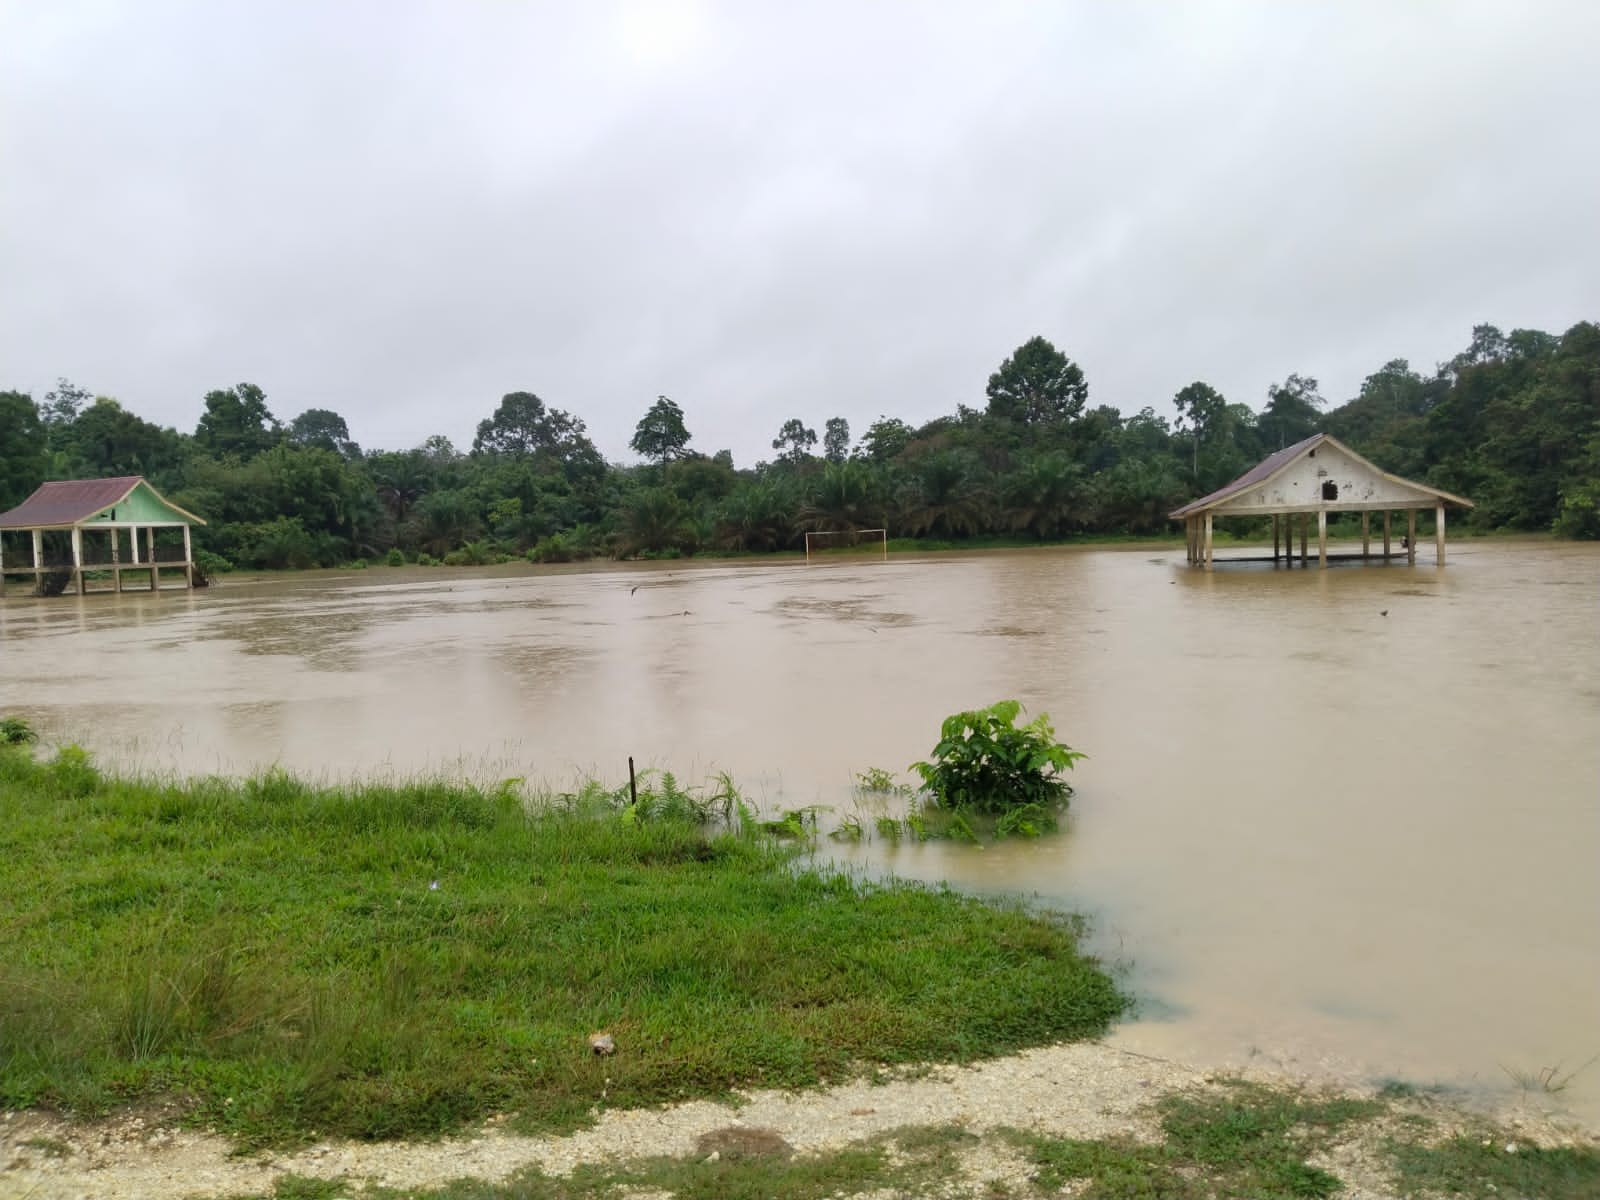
{"x": 1083, "y": 1090}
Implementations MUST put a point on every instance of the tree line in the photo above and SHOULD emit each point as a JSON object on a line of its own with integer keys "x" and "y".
{"x": 1512, "y": 422}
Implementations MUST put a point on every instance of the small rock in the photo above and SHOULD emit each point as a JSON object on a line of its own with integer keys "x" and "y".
{"x": 602, "y": 1043}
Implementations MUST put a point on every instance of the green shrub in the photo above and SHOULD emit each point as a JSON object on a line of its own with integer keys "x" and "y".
{"x": 72, "y": 774}
{"x": 14, "y": 731}
{"x": 212, "y": 564}
{"x": 395, "y": 558}
{"x": 359, "y": 564}
{"x": 427, "y": 560}
{"x": 985, "y": 763}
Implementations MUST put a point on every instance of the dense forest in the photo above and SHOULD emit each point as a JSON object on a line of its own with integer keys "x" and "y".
{"x": 1513, "y": 422}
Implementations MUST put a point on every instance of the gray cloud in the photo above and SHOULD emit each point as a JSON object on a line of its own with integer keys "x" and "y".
{"x": 402, "y": 211}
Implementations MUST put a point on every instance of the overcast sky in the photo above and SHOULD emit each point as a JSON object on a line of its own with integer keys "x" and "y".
{"x": 402, "y": 211}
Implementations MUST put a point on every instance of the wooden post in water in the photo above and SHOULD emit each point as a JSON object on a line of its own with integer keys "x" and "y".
{"x": 1438, "y": 533}
{"x": 1322, "y": 539}
{"x": 1274, "y": 537}
{"x": 633, "y": 786}
{"x": 1411, "y": 536}
{"x": 1386, "y": 516}
{"x": 1366, "y": 536}
{"x": 1305, "y": 527}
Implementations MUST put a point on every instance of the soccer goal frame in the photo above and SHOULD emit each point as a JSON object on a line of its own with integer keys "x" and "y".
{"x": 855, "y": 533}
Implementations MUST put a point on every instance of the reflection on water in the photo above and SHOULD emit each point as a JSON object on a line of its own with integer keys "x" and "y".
{"x": 1345, "y": 820}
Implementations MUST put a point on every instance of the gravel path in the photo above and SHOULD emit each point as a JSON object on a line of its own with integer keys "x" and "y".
{"x": 1083, "y": 1090}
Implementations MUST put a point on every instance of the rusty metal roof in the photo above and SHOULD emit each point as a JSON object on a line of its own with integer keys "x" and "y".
{"x": 1263, "y": 470}
{"x": 1273, "y": 463}
{"x": 68, "y": 502}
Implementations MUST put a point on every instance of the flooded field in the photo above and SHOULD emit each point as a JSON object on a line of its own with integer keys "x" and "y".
{"x": 1347, "y": 821}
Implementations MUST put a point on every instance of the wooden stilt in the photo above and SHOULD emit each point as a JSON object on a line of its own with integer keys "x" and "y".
{"x": 116, "y": 559}
{"x": 1366, "y": 535}
{"x": 77, "y": 559}
{"x": 1208, "y": 541}
{"x": 1411, "y": 536}
{"x": 1386, "y": 516}
{"x": 188, "y": 558}
{"x": 1438, "y": 534}
{"x": 150, "y": 553}
{"x": 1274, "y": 537}
{"x": 1322, "y": 539}
{"x": 1305, "y": 525}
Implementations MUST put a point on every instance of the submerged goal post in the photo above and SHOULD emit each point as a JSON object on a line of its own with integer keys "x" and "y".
{"x": 851, "y": 537}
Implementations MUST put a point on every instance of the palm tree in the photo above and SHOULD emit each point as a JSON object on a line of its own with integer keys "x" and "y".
{"x": 1044, "y": 496}
{"x": 946, "y": 496}
{"x": 841, "y": 498}
{"x": 758, "y": 516}
{"x": 654, "y": 519}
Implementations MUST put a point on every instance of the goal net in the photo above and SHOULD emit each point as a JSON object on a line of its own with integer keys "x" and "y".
{"x": 831, "y": 543}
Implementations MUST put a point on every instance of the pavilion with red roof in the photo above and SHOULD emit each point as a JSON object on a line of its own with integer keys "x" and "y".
{"x": 101, "y": 517}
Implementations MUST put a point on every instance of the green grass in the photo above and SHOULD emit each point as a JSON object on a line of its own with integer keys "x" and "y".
{"x": 277, "y": 957}
{"x": 1480, "y": 1166}
{"x": 1242, "y": 1140}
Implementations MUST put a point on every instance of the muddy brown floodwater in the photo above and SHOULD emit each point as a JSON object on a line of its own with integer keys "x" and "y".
{"x": 1344, "y": 821}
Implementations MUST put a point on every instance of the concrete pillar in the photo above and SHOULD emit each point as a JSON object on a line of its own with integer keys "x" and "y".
{"x": 1386, "y": 515}
{"x": 150, "y": 554}
{"x": 77, "y": 558}
{"x": 1366, "y": 535}
{"x": 1411, "y": 536}
{"x": 1208, "y": 541}
{"x": 1438, "y": 534}
{"x": 116, "y": 559}
{"x": 1322, "y": 539}
{"x": 188, "y": 558}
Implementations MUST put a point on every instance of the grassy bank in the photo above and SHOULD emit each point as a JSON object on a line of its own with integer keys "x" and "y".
{"x": 286, "y": 961}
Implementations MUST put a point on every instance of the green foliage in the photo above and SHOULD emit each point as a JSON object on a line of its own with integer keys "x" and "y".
{"x": 14, "y": 731}
{"x": 22, "y": 448}
{"x": 237, "y": 423}
{"x": 794, "y": 442}
{"x": 1037, "y": 385}
{"x": 1494, "y": 1164}
{"x": 70, "y": 774}
{"x": 211, "y": 564}
{"x": 661, "y": 434}
{"x": 985, "y": 762}
{"x": 395, "y": 558}
{"x": 382, "y": 961}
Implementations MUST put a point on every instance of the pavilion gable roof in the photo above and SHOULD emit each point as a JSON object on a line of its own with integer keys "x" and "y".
{"x": 1274, "y": 465}
{"x": 65, "y": 503}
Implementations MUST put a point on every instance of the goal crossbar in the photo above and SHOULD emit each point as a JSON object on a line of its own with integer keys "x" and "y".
{"x": 849, "y": 533}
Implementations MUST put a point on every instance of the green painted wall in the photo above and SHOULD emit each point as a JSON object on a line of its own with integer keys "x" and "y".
{"x": 144, "y": 507}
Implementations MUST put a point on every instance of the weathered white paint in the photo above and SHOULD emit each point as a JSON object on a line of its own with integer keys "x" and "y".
{"x": 1300, "y": 487}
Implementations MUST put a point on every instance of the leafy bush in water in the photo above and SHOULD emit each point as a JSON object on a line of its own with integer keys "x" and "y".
{"x": 986, "y": 763}
{"x": 14, "y": 731}
{"x": 395, "y": 558}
